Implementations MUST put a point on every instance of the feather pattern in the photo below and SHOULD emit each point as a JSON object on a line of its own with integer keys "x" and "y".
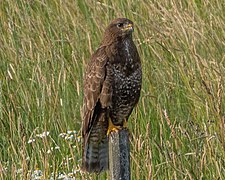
{"x": 112, "y": 87}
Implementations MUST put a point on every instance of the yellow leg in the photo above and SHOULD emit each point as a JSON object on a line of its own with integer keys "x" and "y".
{"x": 112, "y": 127}
{"x": 125, "y": 124}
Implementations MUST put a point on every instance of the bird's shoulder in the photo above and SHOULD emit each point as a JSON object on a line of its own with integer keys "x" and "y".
{"x": 96, "y": 62}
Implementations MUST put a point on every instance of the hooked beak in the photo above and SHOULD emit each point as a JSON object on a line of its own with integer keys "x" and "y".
{"x": 129, "y": 27}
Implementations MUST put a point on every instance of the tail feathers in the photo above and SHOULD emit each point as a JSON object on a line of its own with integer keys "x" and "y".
{"x": 95, "y": 143}
{"x": 95, "y": 156}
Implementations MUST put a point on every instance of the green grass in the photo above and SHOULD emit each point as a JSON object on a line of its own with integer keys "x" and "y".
{"x": 177, "y": 129}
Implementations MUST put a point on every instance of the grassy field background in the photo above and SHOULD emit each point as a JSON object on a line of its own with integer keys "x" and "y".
{"x": 177, "y": 129}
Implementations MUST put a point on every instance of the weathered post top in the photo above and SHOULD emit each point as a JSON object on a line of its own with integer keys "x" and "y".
{"x": 119, "y": 155}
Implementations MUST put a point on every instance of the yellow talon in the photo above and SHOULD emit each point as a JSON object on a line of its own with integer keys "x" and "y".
{"x": 125, "y": 124}
{"x": 112, "y": 127}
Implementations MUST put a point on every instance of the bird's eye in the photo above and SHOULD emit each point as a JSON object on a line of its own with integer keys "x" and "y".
{"x": 119, "y": 25}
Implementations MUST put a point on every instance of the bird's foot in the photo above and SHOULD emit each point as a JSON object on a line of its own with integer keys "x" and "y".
{"x": 112, "y": 127}
{"x": 125, "y": 124}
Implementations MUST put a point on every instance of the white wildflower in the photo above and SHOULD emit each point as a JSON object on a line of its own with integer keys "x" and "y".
{"x": 69, "y": 132}
{"x": 19, "y": 171}
{"x": 44, "y": 134}
{"x": 62, "y": 135}
{"x": 30, "y": 141}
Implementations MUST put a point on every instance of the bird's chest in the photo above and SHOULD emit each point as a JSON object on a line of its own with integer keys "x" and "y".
{"x": 126, "y": 91}
{"x": 126, "y": 85}
{"x": 126, "y": 75}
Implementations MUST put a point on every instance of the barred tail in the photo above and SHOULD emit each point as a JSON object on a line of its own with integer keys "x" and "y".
{"x": 95, "y": 148}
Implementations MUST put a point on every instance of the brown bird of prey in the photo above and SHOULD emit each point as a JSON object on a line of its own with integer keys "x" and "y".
{"x": 112, "y": 87}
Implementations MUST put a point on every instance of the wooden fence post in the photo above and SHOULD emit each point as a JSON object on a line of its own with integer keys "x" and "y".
{"x": 119, "y": 155}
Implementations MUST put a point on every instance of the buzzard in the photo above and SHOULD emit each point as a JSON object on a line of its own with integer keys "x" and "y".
{"x": 112, "y": 87}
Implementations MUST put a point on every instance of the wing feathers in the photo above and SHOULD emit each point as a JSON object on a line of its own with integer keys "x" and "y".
{"x": 94, "y": 86}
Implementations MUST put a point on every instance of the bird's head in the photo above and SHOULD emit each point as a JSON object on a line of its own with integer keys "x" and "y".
{"x": 119, "y": 28}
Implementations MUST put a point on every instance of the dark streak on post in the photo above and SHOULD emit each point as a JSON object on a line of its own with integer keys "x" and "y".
{"x": 119, "y": 155}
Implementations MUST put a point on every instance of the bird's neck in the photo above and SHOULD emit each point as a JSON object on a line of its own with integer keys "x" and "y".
{"x": 126, "y": 55}
{"x": 123, "y": 48}
{"x": 127, "y": 48}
